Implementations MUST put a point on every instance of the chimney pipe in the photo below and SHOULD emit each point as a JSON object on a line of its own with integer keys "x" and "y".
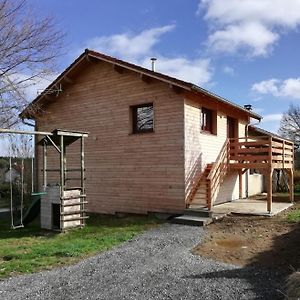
{"x": 248, "y": 106}
{"x": 153, "y": 59}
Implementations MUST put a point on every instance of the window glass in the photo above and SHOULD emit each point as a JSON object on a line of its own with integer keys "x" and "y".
{"x": 142, "y": 117}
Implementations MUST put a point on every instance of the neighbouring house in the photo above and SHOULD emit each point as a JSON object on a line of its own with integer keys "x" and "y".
{"x": 156, "y": 143}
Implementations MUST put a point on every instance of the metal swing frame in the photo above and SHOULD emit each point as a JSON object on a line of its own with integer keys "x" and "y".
{"x": 21, "y": 225}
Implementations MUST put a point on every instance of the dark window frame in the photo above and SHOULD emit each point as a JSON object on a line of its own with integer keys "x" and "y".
{"x": 134, "y": 116}
{"x": 208, "y": 120}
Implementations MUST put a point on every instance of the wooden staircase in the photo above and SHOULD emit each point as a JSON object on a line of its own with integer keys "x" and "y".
{"x": 207, "y": 188}
{"x": 201, "y": 191}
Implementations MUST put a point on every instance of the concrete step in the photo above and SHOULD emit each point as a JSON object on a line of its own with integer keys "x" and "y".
{"x": 192, "y": 220}
{"x": 200, "y": 212}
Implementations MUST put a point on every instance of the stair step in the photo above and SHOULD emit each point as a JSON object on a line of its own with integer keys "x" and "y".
{"x": 200, "y": 212}
{"x": 192, "y": 220}
{"x": 200, "y": 199}
{"x": 201, "y": 192}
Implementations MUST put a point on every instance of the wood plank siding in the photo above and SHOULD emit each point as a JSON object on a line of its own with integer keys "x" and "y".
{"x": 126, "y": 172}
{"x": 202, "y": 149}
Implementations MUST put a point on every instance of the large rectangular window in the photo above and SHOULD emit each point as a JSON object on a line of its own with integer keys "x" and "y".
{"x": 208, "y": 120}
{"x": 142, "y": 118}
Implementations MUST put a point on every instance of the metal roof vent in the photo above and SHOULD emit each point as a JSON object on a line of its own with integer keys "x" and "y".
{"x": 248, "y": 106}
{"x": 153, "y": 60}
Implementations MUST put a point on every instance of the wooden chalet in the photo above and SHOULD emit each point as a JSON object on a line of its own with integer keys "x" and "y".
{"x": 157, "y": 143}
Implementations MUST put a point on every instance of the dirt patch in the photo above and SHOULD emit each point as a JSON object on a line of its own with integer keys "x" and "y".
{"x": 249, "y": 240}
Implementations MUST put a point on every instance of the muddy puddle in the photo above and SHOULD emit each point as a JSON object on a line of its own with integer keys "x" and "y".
{"x": 231, "y": 243}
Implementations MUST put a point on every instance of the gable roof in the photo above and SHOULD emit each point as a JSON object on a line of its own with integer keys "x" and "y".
{"x": 87, "y": 54}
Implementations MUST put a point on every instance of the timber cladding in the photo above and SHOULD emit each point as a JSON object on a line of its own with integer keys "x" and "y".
{"x": 125, "y": 172}
{"x": 203, "y": 148}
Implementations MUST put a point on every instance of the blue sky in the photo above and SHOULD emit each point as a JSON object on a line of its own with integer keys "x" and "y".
{"x": 246, "y": 51}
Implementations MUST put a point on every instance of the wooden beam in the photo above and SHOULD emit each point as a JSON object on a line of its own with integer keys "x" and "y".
{"x": 249, "y": 165}
{"x": 269, "y": 190}
{"x": 176, "y": 89}
{"x": 49, "y": 98}
{"x": 91, "y": 59}
{"x": 4, "y": 130}
{"x": 145, "y": 78}
{"x": 68, "y": 79}
{"x": 240, "y": 185}
{"x": 209, "y": 195}
{"x": 118, "y": 69}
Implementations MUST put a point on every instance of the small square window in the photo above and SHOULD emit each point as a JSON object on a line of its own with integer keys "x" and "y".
{"x": 142, "y": 118}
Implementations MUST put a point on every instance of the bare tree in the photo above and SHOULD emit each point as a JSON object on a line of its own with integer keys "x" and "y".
{"x": 290, "y": 124}
{"x": 145, "y": 118}
{"x": 28, "y": 48}
{"x": 20, "y": 146}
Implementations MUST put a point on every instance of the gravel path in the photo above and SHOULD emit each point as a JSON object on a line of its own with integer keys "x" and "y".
{"x": 156, "y": 265}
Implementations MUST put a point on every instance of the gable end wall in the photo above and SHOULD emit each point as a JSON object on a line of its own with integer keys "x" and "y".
{"x": 136, "y": 173}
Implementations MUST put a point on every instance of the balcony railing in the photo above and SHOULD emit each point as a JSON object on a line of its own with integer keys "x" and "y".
{"x": 261, "y": 152}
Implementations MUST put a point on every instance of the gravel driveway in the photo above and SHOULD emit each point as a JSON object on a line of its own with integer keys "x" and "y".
{"x": 156, "y": 265}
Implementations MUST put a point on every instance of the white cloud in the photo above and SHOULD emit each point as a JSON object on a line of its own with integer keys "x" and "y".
{"x": 228, "y": 70}
{"x": 271, "y": 122}
{"x": 258, "y": 110}
{"x": 128, "y": 45}
{"x": 193, "y": 70}
{"x": 266, "y": 87}
{"x": 255, "y": 25}
{"x": 291, "y": 88}
{"x": 288, "y": 88}
{"x": 140, "y": 47}
{"x": 272, "y": 118}
{"x": 31, "y": 87}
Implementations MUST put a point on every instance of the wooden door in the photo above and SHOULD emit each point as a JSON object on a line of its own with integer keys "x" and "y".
{"x": 232, "y": 128}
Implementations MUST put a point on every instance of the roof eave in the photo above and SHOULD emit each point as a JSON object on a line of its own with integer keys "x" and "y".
{"x": 223, "y": 100}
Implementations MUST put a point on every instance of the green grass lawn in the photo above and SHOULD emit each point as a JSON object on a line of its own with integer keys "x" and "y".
{"x": 294, "y": 216}
{"x": 31, "y": 249}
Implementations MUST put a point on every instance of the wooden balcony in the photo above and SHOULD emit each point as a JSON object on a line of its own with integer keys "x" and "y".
{"x": 261, "y": 152}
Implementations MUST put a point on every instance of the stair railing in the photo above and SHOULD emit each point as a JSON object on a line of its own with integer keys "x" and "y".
{"x": 217, "y": 173}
